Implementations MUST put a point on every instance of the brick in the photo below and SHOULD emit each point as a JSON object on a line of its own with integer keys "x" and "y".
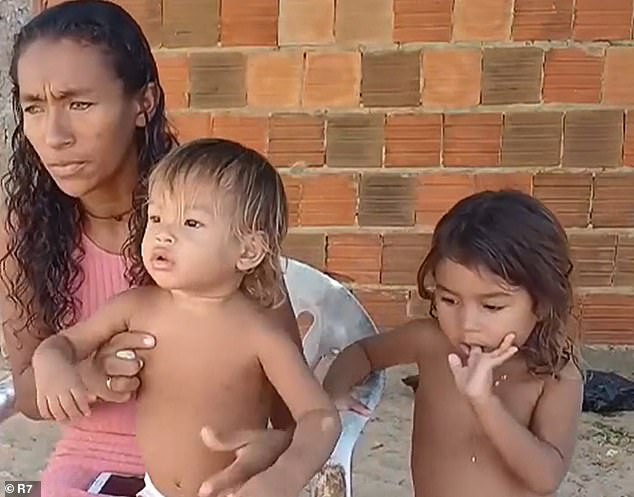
{"x": 624, "y": 266}
{"x": 593, "y": 257}
{"x": 416, "y": 21}
{"x": 567, "y": 195}
{"x": 390, "y": 79}
{"x": 451, "y": 78}
{"x": 363, "y": 21}
{"x": 306, "y": 247}
{"x": 328, "y": 200}
{"x": 607, "y": 318}
{"x": 472, "y": 140}
{"x": 572, "y": 75}
{"x": 618, "y": 79}
{"x": 387, "y": 309}
{"x": 512, "y": 75}
{"x": 482, "y": 20}
{"x": 599, "y": 20}
{"x": 293, "y": 189}
{"x": 355, "y": 256}
{"x": 403, "y": 254}
{"x": 417, "y": 307}
{"x": 218, "y": 80}
{"x": 147, "y": 13}
{"x": 248, "y": 130}
{"x": 387, "y": 200}
{"x": 355, "y": 140}
{"x": 274, "y": 79}
{"x": 189, "y": 23}
{"x": 532, "y": 139}
{"x": 613, "y": 205}
{"x": 593, "y": 138}
{"x": 191, "y": 125}
{"x": 174, "y": 76}
{"x": 296, "y": 138}
{"x": 306, "y": 22}
{"x": 332, "y": 80}
{"x": 413, "y": 140}
{"x": 542, "y": 20}
{"x": 628, "y": 149}
{"x": 249, "y": 23}
{"x": 437, "y": 193}
{"x": 504, "y": 181}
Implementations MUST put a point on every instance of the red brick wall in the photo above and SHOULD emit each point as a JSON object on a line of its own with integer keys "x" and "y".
{"x": 398, "y": 108}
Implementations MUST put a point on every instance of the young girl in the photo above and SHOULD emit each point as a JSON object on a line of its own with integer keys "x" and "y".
{"x": 500, "y": 392}
{"x": 217, "y": 216}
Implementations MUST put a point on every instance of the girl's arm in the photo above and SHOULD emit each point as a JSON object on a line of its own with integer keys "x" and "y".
{"x": 400, "y": 346}
{"x": 539, "y": 457}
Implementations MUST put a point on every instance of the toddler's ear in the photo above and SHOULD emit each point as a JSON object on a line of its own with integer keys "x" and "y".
{"x": 252, "y": 252}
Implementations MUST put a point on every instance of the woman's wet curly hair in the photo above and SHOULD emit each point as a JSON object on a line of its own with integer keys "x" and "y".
{"x": 246, "y": 189}
{"x": 515, "y": 237}
{"x": 41, "y": 268}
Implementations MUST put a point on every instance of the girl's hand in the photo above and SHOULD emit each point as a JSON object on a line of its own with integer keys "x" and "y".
{"x": 475, "y": 378}
{"x": 255, "y": 452}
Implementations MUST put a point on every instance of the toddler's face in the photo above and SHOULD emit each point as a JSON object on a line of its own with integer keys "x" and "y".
{"x": 475, "y": 307}
{"x": 188, "y": 244}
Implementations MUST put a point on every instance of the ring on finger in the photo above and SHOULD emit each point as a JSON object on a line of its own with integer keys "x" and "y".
{"x": 109, "y": 382}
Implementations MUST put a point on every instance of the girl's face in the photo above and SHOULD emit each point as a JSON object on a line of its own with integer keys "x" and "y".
{"x": 77, "y": 116}
{"x": 476, "y": 307}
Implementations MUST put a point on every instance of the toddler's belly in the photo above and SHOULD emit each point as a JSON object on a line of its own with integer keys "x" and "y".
{"x": 175, "y": 456}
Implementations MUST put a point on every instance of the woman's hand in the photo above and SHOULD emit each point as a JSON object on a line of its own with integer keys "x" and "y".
{"x": 112, "y": 373}
{"x": 255, "y": 452}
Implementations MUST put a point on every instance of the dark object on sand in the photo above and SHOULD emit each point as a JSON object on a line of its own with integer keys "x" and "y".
{"x": 607, "y": 393}
{"x": 603, "y": 392}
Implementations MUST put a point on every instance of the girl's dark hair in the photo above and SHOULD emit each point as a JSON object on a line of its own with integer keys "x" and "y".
{"x": 44, "y": 224}
{"x": 515, "y": 237}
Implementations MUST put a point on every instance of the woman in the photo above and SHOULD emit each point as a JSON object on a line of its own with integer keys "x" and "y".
{"x": 91, "y": 122}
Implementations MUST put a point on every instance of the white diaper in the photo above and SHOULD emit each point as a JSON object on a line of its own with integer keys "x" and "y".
{"x": 149, "y": 490}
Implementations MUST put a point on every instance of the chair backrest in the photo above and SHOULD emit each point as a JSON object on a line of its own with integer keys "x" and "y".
{"x": 338, "y": 319}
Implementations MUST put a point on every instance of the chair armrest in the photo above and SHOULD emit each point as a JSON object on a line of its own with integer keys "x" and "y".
{"x": 7, "y": 398}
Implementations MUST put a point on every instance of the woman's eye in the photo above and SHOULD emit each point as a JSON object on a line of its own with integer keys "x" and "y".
{"x": 80, "y": 105}
{"x": 154, "y": 219}
{"x": 32, "y": 109}
{"x": 192, "y": 223}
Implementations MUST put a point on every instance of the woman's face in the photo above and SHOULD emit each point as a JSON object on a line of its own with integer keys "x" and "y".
{"x": 77, "y": 116}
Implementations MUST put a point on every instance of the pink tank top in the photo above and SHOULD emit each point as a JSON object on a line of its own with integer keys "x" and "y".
{"x": 108, "y": 435}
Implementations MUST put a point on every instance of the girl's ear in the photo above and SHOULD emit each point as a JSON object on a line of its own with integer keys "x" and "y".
{"x": 147, "y": 103}
{"x": 252, "y": 252}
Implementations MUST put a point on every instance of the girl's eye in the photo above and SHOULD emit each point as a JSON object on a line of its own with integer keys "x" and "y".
{"x": 493, "y": 308}
{"x": 192, "y": 223}
{"x": 154, "y": 219}
{"x": 447, "y": 300}
{"x": 80, "y": 105}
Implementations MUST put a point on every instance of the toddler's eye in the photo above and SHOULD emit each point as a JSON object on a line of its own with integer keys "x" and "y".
{"x": 155, "y": 219}
{"x": 447, "y": 300}
{"x": 493, "y": 308}
{"x": 192, "y": 223}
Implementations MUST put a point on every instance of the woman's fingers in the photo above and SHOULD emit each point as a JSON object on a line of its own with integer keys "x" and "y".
{"x": 229, "y": 442}
{"x": 224, "y": 481}
{"x": 117, "y": 366}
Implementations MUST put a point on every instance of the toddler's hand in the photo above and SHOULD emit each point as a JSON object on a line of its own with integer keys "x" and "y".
{"x": 61, "y": 394}
{"x": 475, "y": 378}
{"x": 266, "y": 484}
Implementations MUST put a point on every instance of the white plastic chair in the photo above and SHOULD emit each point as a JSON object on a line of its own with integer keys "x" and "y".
{"x": 338, "y": 319}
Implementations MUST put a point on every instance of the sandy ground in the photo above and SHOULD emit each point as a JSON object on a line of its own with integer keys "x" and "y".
{"x": 603, "y": 465}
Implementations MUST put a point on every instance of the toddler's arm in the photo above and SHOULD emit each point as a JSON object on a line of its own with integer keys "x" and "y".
{"x": 539, "y": 457}
{"x": 61, "y": 393}
{"x": 317, "y": 421}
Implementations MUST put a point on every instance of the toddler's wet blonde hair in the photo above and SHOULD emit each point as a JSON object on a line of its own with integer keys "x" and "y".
{"x": 248, "y": 191}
